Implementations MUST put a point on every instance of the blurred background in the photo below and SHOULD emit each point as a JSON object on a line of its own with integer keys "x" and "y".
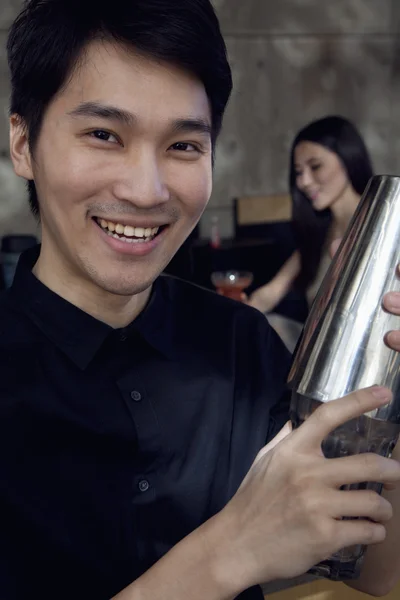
{"x": 293, "y": 61}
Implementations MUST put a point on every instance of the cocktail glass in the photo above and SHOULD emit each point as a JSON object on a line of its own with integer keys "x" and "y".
{"x": 232, "y": 283}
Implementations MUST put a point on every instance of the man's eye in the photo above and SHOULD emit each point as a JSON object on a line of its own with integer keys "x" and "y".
{"x": 315, "y": 167}
{"x": 185, "y": 147}
{"x": 104, "y": 136}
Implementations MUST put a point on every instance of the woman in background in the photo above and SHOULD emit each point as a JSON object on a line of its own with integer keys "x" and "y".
{"x": 329, "y": 170}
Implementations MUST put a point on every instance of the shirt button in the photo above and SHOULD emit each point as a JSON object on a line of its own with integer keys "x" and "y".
{"x": 123, "y": 337}
{"x": 144, "y": 485}
{"x": 136, "y": 396}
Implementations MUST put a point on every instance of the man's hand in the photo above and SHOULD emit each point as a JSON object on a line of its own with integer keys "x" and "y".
{"x": 287, "y": 514}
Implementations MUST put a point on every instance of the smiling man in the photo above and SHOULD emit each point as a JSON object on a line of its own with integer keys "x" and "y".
{"x": 134, "y": 137}
{"x": 134, "y": 406}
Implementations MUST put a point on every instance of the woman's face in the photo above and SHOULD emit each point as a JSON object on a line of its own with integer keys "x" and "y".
{"x": 320, "y": 175}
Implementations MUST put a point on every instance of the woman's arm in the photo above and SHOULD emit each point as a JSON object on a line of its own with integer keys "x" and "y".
{"x": 269, "y": 295}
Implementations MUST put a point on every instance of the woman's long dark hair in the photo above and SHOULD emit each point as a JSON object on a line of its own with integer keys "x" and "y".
{"x": 310, "y": 226}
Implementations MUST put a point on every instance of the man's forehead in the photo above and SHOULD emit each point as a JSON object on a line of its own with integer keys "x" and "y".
{"x": 111, "y": 74}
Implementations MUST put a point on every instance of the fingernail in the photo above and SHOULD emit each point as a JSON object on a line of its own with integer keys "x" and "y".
{"x": 392, "y": 339}
{"x": 393, "y": 299}
{"x": 380, "y": 392}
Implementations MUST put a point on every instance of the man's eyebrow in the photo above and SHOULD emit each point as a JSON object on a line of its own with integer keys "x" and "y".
{"x": 113, "y": 113}
{"x": 191, "y": 126}
{"x": 103, "y": 111}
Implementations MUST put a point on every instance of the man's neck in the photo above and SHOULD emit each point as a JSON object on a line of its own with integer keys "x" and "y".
{"x": 114, "y": 310}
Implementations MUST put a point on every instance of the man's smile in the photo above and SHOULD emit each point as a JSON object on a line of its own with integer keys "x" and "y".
{"x": 128, "y": 233}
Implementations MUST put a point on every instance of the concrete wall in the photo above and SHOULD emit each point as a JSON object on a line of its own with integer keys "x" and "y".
{"x": 293, "y": 61}
{"x": 14, "y": 213}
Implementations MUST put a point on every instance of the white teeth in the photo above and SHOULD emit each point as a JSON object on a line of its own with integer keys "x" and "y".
{"x": 130, "y": 234}
{"x": 129, "y": 231}
{"x": 128, "y": 240}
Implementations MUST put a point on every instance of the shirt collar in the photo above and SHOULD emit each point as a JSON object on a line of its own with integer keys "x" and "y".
{"x": 78, "y": 334}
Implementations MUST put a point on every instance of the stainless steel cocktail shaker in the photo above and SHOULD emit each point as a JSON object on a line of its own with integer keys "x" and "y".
{"x": 342, "y": 348}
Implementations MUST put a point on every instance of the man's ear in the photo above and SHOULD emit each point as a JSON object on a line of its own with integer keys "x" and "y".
{"x": 19, "y": 148}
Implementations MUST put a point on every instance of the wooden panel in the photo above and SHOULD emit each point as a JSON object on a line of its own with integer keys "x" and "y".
{"x": 326, "y": 590}
{"x": 253, "y": 210}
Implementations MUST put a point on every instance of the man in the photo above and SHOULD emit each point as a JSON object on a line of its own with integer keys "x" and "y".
{"x": 132, "y": 406}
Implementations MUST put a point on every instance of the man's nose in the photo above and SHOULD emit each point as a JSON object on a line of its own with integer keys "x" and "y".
{"x": 141, "y": 181}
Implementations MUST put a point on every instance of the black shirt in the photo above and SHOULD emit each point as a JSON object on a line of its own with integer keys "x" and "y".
{"x": 115, "y": 444}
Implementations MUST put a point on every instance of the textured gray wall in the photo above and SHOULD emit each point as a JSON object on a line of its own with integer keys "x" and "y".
{"x": 14, "y": 214}
{"x": 293, "y": 61}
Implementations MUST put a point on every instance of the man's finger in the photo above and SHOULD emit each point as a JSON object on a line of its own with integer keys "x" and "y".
{"x": 360, "y": 503}
{"x": 359, "y": 531}
{"x": 391, "y": 302}
{"x": 392, "y": 339}
{"x": 360, "y": 468}
{"x": 331, "y": 415}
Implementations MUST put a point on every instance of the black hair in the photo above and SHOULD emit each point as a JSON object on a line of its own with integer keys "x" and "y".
{"x": 310, "y": 226}
{"x": 48, "y": 37}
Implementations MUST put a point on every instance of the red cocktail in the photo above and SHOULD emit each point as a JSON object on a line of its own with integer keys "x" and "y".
{"x": 232, "y": 283}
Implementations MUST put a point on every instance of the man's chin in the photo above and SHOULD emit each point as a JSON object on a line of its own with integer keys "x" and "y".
{"x": 120, "y": 278}
{"x": 124, "y": 285}
{"x": 127, "y": 289}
